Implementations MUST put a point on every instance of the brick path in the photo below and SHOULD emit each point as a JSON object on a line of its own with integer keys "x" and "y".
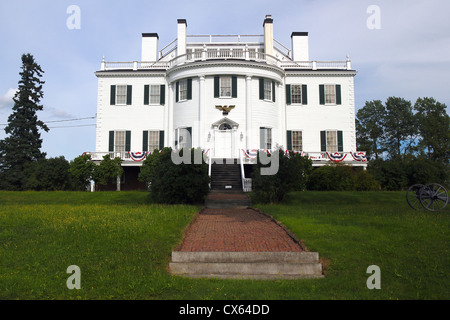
{"x": 236, "y": 230}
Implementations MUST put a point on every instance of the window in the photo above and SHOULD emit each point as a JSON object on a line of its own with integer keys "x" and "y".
{"x": 331, "y": 141}
{"x": 184, "y": 90}
{"x": 119, "y": 141}
{"x": 266, "y": 90}
{"x": 265, "y": 138}
{"x": 154, "y": 94}
{"x": 330, "y": 94}
{"x": 294, "y": 140}
{"x": 183, "y": 138}
{"x": 296, "y": 94}
{"x": 121, "y": 95}
{"x": 153, "y": 139}
{"x": 225, "y": 87}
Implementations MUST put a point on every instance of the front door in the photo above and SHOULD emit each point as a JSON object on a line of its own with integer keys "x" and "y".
{"x": 223, "y": 146}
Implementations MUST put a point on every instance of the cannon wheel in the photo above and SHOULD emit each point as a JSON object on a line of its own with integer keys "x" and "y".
{"x": 413, "y": 196}
{"x": 433, "y": 197}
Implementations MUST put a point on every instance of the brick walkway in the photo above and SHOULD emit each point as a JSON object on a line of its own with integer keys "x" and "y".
{"x": 236, "y": 230}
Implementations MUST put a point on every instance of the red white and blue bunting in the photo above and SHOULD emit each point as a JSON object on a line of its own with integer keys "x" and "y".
{"x": 138, "y": 156}
{"x": 336, "y": 156}
{"x": 253, "y": 153}
{"x": 359, "y": 156}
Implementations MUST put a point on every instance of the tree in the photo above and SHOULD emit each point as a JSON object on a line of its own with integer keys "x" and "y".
{"x": 48, "y": 175}
{"x": 400, "y": 127}
{"x": 370, "y": 127}
{"x": 108, "y": 170}
{"x": 23, "y": 143}
{"x": 82, "y": 170}
{"x": 433, "y": 126}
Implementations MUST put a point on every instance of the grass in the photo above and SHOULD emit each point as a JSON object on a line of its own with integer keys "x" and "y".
{"x": 122, "y": 245}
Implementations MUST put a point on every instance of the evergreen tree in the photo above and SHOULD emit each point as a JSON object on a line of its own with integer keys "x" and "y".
{"x": 23, "y": 142}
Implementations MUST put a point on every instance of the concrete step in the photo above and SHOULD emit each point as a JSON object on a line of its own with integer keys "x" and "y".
{"x": 246, "y": 265}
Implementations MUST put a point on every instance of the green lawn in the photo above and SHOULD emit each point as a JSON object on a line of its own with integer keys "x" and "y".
{"x": 122, "y": 245}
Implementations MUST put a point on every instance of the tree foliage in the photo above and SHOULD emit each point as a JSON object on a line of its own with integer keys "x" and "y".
{"x": 82, "y": 170}
{"x": 107, "y": 171}
{"x": 23, "y": 142}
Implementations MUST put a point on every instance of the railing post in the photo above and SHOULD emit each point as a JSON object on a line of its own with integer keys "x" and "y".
{"x": 314, "y": 66}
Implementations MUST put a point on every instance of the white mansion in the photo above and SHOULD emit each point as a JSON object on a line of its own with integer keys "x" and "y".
{"x": 230, "y": 95}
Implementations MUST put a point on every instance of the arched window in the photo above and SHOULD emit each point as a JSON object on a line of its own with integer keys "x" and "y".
{"x": 225, "y": 126}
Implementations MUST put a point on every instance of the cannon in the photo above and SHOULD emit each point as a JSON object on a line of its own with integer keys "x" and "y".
{"x": 432, "y": 196}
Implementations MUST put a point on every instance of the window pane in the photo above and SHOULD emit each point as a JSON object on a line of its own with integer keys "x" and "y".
{"x": 297, "y": 141}
{"x": 268, "y": 138}
{"x": 267, "y": 90}
{"x": 121, "y": 94}
{"x": 119, "y": 141}
{"x": 154, "y": 94}
{"x": 296, "y": 93}
{"x": 183, "y": 90}
{"x": 330, "y": 94}
{"x": 332, "y": 141}
{"x": 153, "y": 140}
{"x": 225, "y": 86}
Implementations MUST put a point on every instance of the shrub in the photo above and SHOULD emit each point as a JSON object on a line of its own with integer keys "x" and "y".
{"x": 173, "y": 183}
{"x": 292, "y": 174}
{"x": 48, "y": 175}
{"x": 81, "y": 169}
{"x": 107, "y": 171}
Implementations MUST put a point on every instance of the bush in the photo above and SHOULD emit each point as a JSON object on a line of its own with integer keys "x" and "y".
{"x": 292, "y": 174}
{"x": 172, "y": 183}
{"x": 107, "y": 171}
{"x": 48, "y": 175}
{"x": 340, "y": 177}
{"x": 81, "y": 169}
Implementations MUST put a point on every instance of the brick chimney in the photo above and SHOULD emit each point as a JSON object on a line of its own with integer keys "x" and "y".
{"x": 268, "y": 35}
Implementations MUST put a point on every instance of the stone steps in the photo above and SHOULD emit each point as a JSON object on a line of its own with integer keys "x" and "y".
{"x": 246, "y": 265}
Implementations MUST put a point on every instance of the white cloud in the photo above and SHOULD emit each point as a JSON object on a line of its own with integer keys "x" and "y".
{"x": 6, "y": 100}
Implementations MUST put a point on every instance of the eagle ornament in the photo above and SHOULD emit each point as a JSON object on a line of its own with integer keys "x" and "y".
{"x": 225, "y": 109}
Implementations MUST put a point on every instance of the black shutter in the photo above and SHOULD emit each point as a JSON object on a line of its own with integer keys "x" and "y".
{"x": 161, "y": 140}
{"x": 323, "y": 141}
{"x": 177, "y": 94}
{"x": 113, "y": 95}
{"x": 128, "y": 141}
{"x": 216, "y": 87}
{"x": 288, "y": 94}
{"x": 162, "y": 95}
{"x": 340, "y": 141}
{"x": 189, "y": 89}
{"x": 338, "y": 94}
{"x": 145, "y": 140}
{"x": 304, "y": 94}
{"x": 111, "y": 141}
{"x": 273, "y": 91}
{"x": 146, "y": 94}
{"x": 261, "y": 89}
{"x": 129, "y": 94}
{"x": 234, "y": 87}
{"x": 322, "y": 94}
{"x": 289, "y": 140}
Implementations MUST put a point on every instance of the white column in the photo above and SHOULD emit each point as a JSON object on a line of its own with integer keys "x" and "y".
{"x": 170, "y": 119}
{"x": 201, "y": 111}
{"x": 248, "y": 109}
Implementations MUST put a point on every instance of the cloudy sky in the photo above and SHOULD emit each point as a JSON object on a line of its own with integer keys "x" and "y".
{"x": 402, "y": 49}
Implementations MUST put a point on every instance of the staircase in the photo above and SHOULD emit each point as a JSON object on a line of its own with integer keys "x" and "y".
{"x": 226, "y": 176}
{"x": 246, "y": 265}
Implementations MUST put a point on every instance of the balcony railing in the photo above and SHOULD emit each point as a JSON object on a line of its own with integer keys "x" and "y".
{"x": 230, "y": 53}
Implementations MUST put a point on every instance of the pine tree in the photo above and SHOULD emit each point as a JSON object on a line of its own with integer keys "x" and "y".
{"x": 22, "y": 145}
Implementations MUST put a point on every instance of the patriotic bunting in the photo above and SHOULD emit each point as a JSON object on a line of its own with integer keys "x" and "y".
{"x": 359, "y": 156}
{"x": 336, "y": 156}
{"x": 138, "y": 156}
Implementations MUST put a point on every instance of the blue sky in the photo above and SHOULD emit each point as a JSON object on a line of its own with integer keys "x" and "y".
{"x": 408, "y": 57}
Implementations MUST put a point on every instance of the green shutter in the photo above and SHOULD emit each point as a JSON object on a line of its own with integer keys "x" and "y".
{"x": 216, "y": 87}
{"x": 234, "y": 87}
{"x": 113, "y": 95}
{"x": 322, "y": 94}
{"x": 289, "y": 140}
{"x": 177, "y": 94}
{"x": 304, "y": 94}
{"x": 111, "y": 141}
{"x": 145, "y": 141}
{"x": 288, "y": 94}
{"x": 129, "y": 94}
{"x": 261, "y": 89}
{"x": 273, "y": 91}
{"x": 189, "y": 89}
{"x": 128, "y": 141}
{"x": 340, "y": 141}
{"x": 146, "y": 94}
{"x": 162, "y": 95}
{"x": 323, "y": 141}
{"x": 161, "y": 140}
{"x": 338, "y": 94}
